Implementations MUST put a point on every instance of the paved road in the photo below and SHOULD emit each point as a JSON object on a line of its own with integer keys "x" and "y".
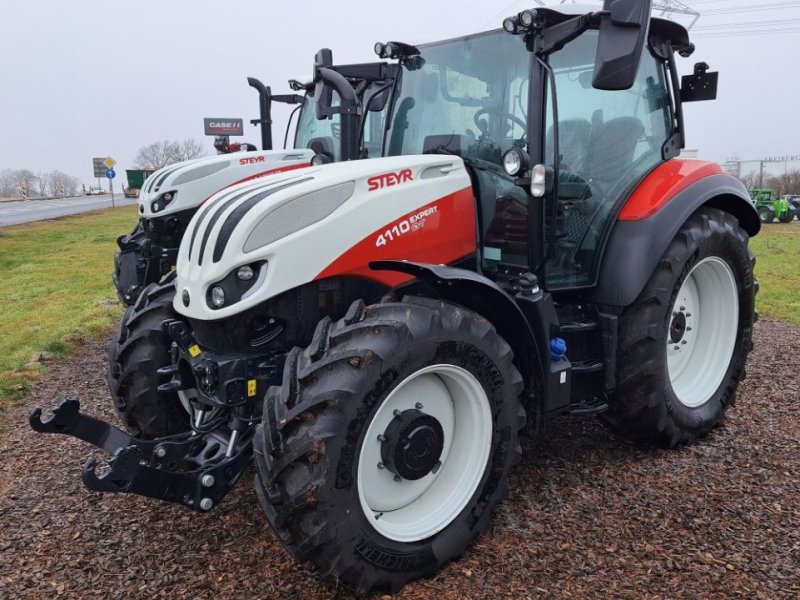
{"x": 13, "y": 213}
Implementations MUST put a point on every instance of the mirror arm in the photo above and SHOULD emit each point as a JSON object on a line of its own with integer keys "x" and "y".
{"x": 555, "y": 37}
{"x": 676, "y": 92}
{"x": 288, "y": 98}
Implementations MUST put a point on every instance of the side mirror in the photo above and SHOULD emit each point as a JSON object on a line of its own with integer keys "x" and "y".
{"x": 623, "y": 34}
{"x": 323, "y": 94}
{"x": 378, "y": 102}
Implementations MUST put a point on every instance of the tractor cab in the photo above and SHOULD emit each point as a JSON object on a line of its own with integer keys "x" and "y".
{"x": 525, "y": 103}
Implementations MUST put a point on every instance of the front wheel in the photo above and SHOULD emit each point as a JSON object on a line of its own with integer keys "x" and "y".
{"x": 139, "y": 349}
{"x": 684, "y": 342}
{"x": 787, "y": 216}
{"x": 389, "y": 443}
{"x": 766, "y": 214}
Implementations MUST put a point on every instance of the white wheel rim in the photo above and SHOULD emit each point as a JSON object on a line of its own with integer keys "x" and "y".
{"x": 708, "y": 303}
{"x": 408, "y": 511}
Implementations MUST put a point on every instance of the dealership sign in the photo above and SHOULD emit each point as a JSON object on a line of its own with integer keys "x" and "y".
{"x": 224, "y": 126}
{"x": 782, "y": 158}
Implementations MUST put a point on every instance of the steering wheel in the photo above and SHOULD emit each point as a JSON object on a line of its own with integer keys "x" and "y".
{"x": 501, "y": 113}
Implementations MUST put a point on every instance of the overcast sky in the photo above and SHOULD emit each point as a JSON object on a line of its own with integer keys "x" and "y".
{"x": 91, "y": 78}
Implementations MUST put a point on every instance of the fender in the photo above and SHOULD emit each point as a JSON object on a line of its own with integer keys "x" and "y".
{"x": 636, "y": 245}
{"x": 484, "y": 296}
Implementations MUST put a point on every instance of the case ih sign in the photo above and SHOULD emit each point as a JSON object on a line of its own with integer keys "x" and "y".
{"x": 224, "y": 126}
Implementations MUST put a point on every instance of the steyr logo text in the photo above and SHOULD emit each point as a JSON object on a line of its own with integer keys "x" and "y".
{"x": 389, "y": 179}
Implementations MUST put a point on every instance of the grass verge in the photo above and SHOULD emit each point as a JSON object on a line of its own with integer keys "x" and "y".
{"x": 777, "y": 250}
{"x": 56, "y": 290}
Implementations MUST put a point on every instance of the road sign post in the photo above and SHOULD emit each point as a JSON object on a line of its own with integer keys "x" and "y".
{"x": 99, "y": 169}
{"x": 110, "y": 174}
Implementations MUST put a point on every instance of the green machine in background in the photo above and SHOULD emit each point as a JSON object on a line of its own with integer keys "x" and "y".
{"x": 770, "y": 208}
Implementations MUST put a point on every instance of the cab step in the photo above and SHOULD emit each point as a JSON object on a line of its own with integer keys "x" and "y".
{"x": 588, "y": 409}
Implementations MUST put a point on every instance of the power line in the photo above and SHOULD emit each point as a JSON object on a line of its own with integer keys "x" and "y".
{"x": 738, "y": 9}
{"x": 494, "y": 18}
{"x": 747, "y": 33}
{"x": 753, "y": 24}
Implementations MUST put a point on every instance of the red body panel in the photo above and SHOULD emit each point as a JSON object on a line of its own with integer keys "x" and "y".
{"x": 663, "y": 184}
{"x": 440, "y": 232}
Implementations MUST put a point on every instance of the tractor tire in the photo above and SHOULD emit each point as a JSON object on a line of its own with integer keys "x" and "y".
{"x": 139, "y": 349}
{"x": 126, "y": 275}
{"x": 683, "y": 344}
{"x": 766, "y": 214}
{"x": 787, "y": 217}
{"x": 390, "y": 442}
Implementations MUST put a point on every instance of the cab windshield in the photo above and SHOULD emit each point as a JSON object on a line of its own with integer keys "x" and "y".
{"x": 467, "y": 96}
{"x": 323, "y": 135}
{"x": 320, "y": 135}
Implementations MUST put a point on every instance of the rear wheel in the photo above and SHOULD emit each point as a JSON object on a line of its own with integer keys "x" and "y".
{"x": 684, "y": 342}
{"x": 140, "y": 348}
{"x": 766, "y": 214}
{"x": 390, "y": 441}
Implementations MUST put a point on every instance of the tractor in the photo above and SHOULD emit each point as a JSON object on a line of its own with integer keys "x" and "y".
{"x": 173, "y": 194}
{"x": 377, "y": 334}
{"x": 770, "y": 207}
{"x": 172, "y": 197}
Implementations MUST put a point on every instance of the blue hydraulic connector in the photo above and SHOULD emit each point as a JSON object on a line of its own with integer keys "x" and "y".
{"x": 558, "y": 349}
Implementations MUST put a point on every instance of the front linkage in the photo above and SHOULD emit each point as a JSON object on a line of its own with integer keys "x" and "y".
{"x": 197, "y": 468}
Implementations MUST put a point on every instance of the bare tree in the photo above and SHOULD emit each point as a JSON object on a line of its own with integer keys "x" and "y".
{"x": 166, "y": 152}
{"x": 788, "y": 183}
{"x": 41, "y": 184}
{"x": 56, "y": 178}
{"x": 189, "y": 149}
{"x": 21, "y": 176}
{"x": 6, "y": 183}
{"x": 750, "y": 180}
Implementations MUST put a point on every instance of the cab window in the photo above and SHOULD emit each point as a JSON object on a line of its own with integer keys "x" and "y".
{"x": 607, "y": 142}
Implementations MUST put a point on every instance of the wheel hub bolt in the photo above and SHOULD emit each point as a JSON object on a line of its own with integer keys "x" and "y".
{"x": 688, "y": 314}
{"x": 684, "y": 342}
{"x": 397, "y": 478}
{"x": 381, "y": 466}
{"x": 683, "y": 308}
{"x": 161, "y": 452}
{"x": 206, "y": 503}
{"x": 381, "y": 437}
{"x": 396, "y": 412}
{"x": 677, "y": 348}
{"x": 207, "y": 481}
{"x": 418, "y": 406}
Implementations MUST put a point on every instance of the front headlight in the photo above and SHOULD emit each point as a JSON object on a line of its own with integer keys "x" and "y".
{"x": 163, "y": 201}
{"x": 240, "y": 283}
{"x": 245, "y": 273}
{"x": 217, "y": 296}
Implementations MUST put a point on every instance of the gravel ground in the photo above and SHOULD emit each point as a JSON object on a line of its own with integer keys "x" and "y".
{"x": 587, "y": 517}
